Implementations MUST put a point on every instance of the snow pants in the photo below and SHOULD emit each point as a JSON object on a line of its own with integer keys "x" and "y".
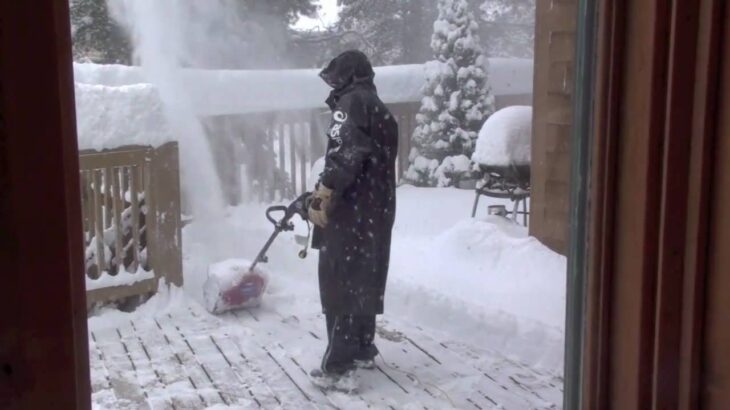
{"x": 350, "y": 338}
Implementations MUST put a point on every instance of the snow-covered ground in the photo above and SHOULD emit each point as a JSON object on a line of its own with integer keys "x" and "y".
{"x": 483, "y": 278}
{"x": 481, "y": 283}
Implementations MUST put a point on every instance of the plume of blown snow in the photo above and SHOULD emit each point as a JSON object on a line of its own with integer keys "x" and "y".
{"x": 161, "y": 31}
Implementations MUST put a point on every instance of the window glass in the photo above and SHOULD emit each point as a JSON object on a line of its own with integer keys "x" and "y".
{"x": 326, "y": 203}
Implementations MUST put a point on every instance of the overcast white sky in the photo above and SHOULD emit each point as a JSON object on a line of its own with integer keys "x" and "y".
{"x": 327, "y": 16}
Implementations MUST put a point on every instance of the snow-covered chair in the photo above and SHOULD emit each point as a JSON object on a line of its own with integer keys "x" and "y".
{"x": 503, "y": 156}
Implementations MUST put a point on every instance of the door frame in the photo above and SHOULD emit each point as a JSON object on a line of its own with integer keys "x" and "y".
{"x": 646, "y": 116}
{"x": 44, "y": 360}
{"x": 653, "y": 129}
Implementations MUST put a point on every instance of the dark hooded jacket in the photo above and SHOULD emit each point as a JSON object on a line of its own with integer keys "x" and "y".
{"x": 360, "y": 168}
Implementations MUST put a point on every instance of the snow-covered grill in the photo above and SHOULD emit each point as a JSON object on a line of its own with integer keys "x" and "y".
{"x": 503, "y": 157}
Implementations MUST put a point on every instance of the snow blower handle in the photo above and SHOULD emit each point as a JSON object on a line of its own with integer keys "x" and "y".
{"x": 298, "y": 207}
{"x": 283, "y": 223}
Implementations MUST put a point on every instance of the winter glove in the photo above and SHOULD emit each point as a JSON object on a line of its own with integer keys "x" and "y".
{"x": 319, "y": 205}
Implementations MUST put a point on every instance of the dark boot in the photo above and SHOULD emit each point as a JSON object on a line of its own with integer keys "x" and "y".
{"x": 343, "y": 345}
{"x": 367, "y": 352}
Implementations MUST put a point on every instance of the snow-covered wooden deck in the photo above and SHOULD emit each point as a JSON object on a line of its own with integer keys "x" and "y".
{"x": 261, "y": 359}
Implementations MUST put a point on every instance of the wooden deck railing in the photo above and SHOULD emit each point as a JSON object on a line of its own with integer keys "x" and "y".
{"x": 268, "y": 156}
{"x": 131, "y": 195}
{"x": 278, "y": 149}
{"x": 131, "y": 217}
{"x": 292, "y": 141}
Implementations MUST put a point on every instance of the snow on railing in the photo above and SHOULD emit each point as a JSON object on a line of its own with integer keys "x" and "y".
{"x": 128, "y": 245}
{"x": 232, "y": 92}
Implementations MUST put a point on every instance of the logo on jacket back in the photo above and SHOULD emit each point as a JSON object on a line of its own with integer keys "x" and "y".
{"x": 340, "y": 116}
{"x": 339, "y": 119}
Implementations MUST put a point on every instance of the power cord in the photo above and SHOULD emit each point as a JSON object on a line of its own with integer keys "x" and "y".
{"x": 303, "y": 253}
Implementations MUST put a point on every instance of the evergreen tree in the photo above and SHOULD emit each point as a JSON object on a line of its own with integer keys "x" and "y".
{"x": 457, "y": 99}
{"x": 96, "y": 37}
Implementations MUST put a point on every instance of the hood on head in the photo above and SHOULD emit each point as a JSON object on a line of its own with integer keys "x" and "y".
{"x": 347, "y": 68}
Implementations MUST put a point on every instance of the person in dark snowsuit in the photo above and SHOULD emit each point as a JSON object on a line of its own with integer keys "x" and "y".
{"x": 353, "y": 209}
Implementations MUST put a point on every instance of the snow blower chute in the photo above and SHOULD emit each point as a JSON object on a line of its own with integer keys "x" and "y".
{"x": 235, "y": 283}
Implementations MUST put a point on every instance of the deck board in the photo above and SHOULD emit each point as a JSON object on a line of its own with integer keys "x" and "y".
{"x": 177, "y": 385}
{"x": 261, "y": 358}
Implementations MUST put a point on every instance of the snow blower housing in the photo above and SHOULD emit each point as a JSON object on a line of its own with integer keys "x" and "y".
{"x": 238, "y": 283}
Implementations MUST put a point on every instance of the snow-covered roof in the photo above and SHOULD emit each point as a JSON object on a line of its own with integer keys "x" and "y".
{"x": 224, "y": 92}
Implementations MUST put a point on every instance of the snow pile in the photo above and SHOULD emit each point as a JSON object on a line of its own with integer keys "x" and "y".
{"x": 490, "y": 263}
{"x": 109, "y": 117}
{"x": 505, "y": 138}
{"x": 485, "y": 281}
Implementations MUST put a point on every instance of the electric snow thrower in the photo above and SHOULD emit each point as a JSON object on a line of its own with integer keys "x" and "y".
{"x": 236, "y": 283}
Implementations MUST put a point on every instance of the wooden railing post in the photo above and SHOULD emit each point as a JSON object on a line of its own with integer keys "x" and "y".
{"x": 164, "y": 235}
